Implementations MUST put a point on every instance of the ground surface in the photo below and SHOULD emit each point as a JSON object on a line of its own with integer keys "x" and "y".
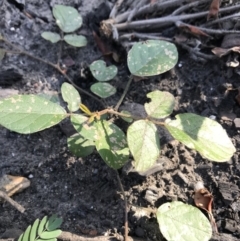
{"x": 85, "y": 191}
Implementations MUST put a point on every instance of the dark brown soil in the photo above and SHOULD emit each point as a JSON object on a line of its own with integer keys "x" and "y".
{"x": 84, "y": 191}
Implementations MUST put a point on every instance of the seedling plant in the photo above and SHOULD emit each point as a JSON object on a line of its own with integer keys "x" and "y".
{"x": 31, "y": 113}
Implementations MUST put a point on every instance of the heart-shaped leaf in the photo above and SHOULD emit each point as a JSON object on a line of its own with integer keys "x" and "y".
{"x": 29, "y": 113}
{"x": 75, "y": 40}
{"x": 71, "y": 96}
{"x": 67, "y": 18}
{"x": 162, "y": 104}
{"x": 103, "y": 90}
{"x": 179, "y": 221}
{"x": 202, "y": 134}
{"x": 101, "y": 72}
{"x": 80, "y": 146}
{"x": 152, "y": 57}
{"x": 143, "y": 143}
{"x": 111, "y": 144}
{"x": 50, "y": 36}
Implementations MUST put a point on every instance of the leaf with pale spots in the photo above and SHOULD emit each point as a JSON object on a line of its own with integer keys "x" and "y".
{"x": 202, "y": 134}
{"x": 103, "y": 90}
{"x": 111, "y": 144}
{"x": 162, "y": 104}
{"x": 183, "y": 222}
{"x": 50, "y": 36}
{"x": 80, "y": 146}
{"x": 86, "y": 130}
{"x": 71, "y": 96}
{"x": 67, "y": 18}
{"x": 75, "y": 40}
{"x": 152, "y": 57}
{"x": 143, "y": 142}
{"x": 29, "y": 113}
{"x": 101, "y": 72}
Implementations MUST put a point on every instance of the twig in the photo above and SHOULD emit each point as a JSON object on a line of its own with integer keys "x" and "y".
{"x": 19, "y": 207}
{"x": 144, "y": 36}
{"x": 124, "y": 93}
{"x": 115, "y": 9}
{"x": 159, "y": 22}
{"x": 125, "y": 207}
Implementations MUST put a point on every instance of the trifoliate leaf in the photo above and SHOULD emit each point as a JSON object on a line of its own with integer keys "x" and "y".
{"x": 143, "y": 142}
{"x": 161, "y": 105}
{"x": 101, "y": 72}
{"x": 71, "y": 96}
{"x": 111, "y": 144}
{"x": 152, "y": 57}
{"x": 202, "y": 134}
{"x": 182, "y": 222}
{"x": 29, "y": 113}
{"x": 50, "y": 36}
{"x": 75, "y": 40}
{"x": 67, "y": 18}
{"x": 103, "y": 90}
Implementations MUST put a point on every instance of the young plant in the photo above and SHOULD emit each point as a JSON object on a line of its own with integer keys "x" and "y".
{"x": 46, "y": 229}
{"x": 103, "y": 73}
{"x": 68, "y": 20}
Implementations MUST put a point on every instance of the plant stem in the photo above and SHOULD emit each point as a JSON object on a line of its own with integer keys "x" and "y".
{"x": 125, "y": 207}
{"x": 55, "y": 66}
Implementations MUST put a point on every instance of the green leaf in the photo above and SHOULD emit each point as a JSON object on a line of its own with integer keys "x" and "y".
{"x": 101, "y": 72}
{"x": 202, "y": 134}
{"x": 33, "y": 233}
{"x": 111, "y": 144}
{"x": 50, "y": 36}
{"x": 182, "y": 222}
{"x": 103, "y": 90}
{"x": 162, "y": 104}
{"x": 80, "y": 123}
{"x": 80, "y": 146}
{"x": 26, "y": 234}
{"x": 2, "y": 53}
{"x": 51, "y": 239}
{"x": 50, "y": 234}
{"x": 53, "y": 223}
{"x": 75, "y": 40}
{"x": 67, "y": 18}
{"x": 71, "y": 96}
{"x": 152, "y": 57}
{"x": 143, "y": 142}
{"x": 21, "y": 237}
{"x": 127, "y": 119}
{"x": 42, "y": 224}
{"x": 29, "y": 113}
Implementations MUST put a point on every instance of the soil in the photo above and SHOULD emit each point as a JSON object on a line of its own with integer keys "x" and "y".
{"x": 85, "y": 191}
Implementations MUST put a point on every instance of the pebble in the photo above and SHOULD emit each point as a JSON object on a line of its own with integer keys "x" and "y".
{"x": 237, "y": 122}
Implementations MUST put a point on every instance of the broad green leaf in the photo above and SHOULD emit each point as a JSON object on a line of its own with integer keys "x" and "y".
{"x": 103, "y": 90}
{"x": 2, "y": 53}
{"x": 86, "y": 130}
{"x": 26, "y": 234}
{"x": 53, "y": 223}
{"x": 127, "y": 119}
{"x": 71, "y": 96}
{"x": 42, "y": 224}
{"x": 50, "y": 234}
{"x": 50, "y": 36}
{"x": 51, "y": 97}
{"x": 80, "y": 146}
{"x": 101, "y": 72}
{"x": 162, "y": 104}
{"x": 152, "y": 57}
{"x": 111, "y": 144}
{"x": 143, "y": 142}
{"x": 67, "y": 18}
{"x": 75, "y": 40}
{"x": 29, "y": 113}
{"x": 33, "y": 232}
{"x": 202, "y": 134}
{"x": 182, "y": 222}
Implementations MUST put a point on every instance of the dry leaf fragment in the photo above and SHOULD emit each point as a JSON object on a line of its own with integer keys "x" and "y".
{"x": 204, "y": 199}
{"x": 214, "y": 9}
{"x": 222, "y": 52}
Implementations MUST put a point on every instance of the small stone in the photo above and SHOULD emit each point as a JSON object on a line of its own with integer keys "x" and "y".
{"x": 237, "y": 122}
